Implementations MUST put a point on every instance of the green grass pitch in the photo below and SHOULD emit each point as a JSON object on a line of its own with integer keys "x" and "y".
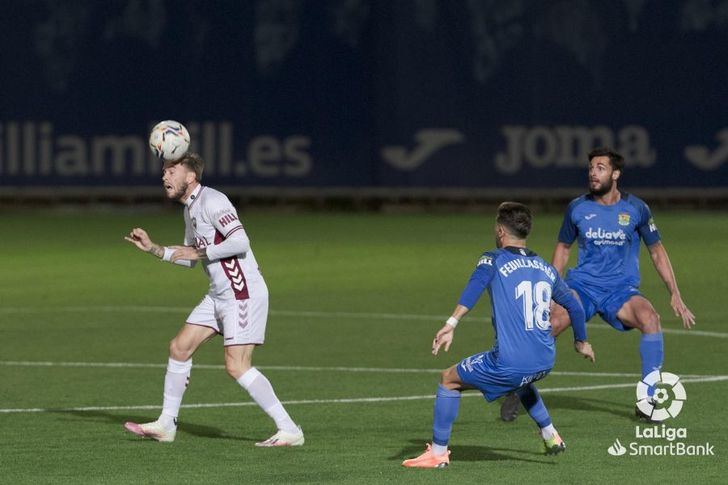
{"x": 350, "y": 293}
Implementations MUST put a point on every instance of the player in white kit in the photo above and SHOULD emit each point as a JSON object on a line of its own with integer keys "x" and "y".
{"x": 236, "y": 306}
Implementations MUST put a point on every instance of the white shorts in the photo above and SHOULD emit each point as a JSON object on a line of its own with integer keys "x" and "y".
{"x": 239, "y": 322}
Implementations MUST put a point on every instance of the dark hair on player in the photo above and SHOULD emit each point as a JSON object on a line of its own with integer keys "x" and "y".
{"x": 192, "y": 161}
{"x": 516, "y": 218}
{"x": 615, "y": 159}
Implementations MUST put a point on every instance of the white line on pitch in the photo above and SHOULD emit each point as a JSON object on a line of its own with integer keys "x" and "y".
{"x": 356, "y": 400}
{"x": 386, "y": 370}
{"x": 301, "y": 313}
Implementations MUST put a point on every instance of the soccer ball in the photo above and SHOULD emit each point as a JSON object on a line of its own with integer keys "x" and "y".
{"x": 169, "y": 140}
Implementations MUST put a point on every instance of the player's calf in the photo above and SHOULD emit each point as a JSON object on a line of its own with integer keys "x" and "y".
{"x": 238, "y": 360}
{"x": 535, "y": 407}
{"x": 509, "y": 407}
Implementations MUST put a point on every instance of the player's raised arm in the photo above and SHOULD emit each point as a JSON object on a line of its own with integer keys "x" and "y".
{"x": 661, "y": 260}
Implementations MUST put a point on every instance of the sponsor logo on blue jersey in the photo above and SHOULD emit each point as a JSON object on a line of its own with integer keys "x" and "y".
{"x": 600, "y": 236}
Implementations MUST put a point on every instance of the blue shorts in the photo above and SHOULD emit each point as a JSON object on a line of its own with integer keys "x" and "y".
{"x": 604, "y": 301}
{"x": 482, "y": 372}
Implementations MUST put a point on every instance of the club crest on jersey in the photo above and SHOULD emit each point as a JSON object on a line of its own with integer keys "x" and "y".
{"x": 485, "y": 260}
{"x": 623, "y": 219}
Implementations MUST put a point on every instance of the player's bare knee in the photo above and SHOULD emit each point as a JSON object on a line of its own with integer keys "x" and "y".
{"x": 450, "y": 379}
{"x": 173, "y": 351}
{"x": 178, "y": 352}
{"x": 651, "y": 322}
{"x": 648, "y": 322}
{"x": 444, "y": 377}
{"x": 234, "y": 369}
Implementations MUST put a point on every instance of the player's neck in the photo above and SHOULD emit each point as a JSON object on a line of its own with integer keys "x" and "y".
{"x": 513, "y": 243}
{"x": 610, "y": 198}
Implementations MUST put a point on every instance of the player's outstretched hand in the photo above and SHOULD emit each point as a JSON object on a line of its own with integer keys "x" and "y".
{"x": 443, "y": 337}
{"x": 682, "y": 311}
{"x": 585, "y": 349}
{"x": 139, "y": 238}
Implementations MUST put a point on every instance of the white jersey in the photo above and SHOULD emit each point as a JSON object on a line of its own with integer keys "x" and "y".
{"x": 210, "y": 218}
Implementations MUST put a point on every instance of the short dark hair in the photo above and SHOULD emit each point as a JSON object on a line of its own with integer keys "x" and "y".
{"x": 615, "y": 159}
{"x": 516, "y": 218}
{"x": 192, "y": 161}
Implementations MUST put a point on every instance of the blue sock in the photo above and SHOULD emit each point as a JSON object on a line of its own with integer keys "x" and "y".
{"x": 652, "y": 353}
{"x": 447, "y": 404}
{"x": 533, "y": 403}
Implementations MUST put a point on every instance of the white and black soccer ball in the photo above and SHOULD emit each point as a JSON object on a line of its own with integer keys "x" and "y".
{"x": 169, "y": 140}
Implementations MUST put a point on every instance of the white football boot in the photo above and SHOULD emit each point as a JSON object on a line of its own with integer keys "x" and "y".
{"x": 154, "y": 430}
{"x": 283, "y": 438}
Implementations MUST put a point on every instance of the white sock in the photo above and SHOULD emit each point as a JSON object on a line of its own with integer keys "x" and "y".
{"x": 262, "y": 393}
{"x": 175, "y": 384}
{"x": 548, "y": 431}
{"x": 438, "y": 450}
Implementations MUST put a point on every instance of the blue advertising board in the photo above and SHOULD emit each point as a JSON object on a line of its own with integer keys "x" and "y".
{"x": 357, "y": 93}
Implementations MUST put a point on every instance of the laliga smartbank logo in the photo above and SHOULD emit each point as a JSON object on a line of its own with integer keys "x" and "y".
{"x": 668, "y": 399}
{"x": 666, "y": 402}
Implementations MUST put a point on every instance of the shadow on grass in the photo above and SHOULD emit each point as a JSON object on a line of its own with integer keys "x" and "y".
{"x": 620, "y": 409}
{"x": 477, "y": 453}
{"x": 185, "y": 427}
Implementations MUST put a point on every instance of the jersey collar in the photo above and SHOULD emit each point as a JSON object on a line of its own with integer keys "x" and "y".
{"x": 521, "y": 251}
{"x": 193, "y": 196}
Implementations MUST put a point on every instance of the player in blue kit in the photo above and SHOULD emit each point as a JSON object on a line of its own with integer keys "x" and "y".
{"x": 521, "y": 286}
{"x": 608, "y": 225}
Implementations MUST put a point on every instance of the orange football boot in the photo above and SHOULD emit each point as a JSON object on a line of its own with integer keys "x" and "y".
{"x": 428, "y": 460}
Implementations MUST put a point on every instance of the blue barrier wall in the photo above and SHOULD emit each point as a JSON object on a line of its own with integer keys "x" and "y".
{"x": 366, "y": 93}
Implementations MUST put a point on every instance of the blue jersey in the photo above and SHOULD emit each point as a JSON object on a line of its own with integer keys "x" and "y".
{"x": 609, "y": 240}
{"x": 521, "y": 285}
